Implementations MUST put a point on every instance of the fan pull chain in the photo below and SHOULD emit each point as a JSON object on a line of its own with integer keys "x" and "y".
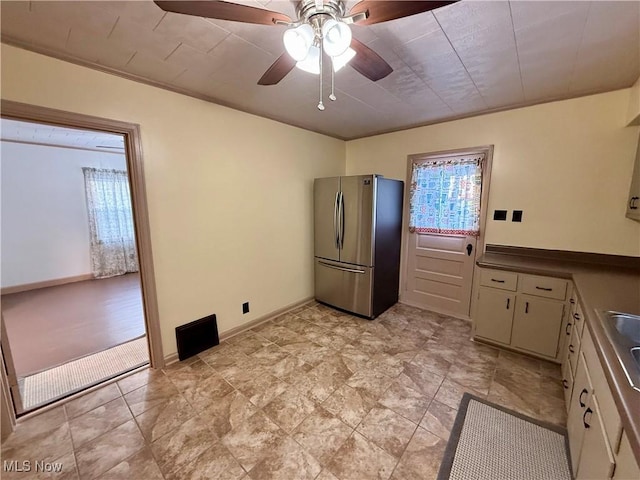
{"x": 332, "y": 97}
{"x": 320, "y": 104}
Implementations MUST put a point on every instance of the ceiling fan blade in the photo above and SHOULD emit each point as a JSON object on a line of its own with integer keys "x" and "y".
{"x": 385, "y": 10}
{"x": 368, "y": 63}
{"x": 223, "y": 11}
{"x": 278, "y": 70}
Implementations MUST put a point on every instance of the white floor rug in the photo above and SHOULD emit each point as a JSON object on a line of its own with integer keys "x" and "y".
{"x": 45, "y": 386}
{"x": 490, "y": 442}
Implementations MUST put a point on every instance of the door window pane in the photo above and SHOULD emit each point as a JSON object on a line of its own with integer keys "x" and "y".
{"x": 445, "y": 196}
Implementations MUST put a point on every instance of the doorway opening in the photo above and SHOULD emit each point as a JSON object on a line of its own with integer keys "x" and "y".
{"x": 445, "y": 215}
{"x": 78, "y": 295}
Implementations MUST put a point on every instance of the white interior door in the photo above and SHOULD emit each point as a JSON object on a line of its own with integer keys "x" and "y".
{"x": 439, "y": 273}
{"x": 444, "y": 214}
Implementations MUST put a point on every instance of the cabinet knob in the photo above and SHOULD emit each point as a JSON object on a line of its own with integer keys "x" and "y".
{"x": 572, "y": 349}
{"x": 567, "y": 330}
{"x": 565, "y": 384}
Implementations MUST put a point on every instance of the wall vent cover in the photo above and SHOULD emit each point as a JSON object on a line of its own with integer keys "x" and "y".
{"x": 195, "y": 337}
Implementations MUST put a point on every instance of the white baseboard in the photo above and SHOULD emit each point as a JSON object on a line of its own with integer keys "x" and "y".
{"x": 47, "y": 283}
{"x": 171, "y": 358}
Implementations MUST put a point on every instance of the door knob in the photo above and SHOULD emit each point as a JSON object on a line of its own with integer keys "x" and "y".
{"x": 469, "y": 249}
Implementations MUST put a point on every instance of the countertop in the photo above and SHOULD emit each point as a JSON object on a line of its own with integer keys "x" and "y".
{"x": 598, "y": 287}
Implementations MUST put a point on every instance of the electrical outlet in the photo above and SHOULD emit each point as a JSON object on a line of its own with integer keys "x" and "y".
{"x": 245, "y": 307}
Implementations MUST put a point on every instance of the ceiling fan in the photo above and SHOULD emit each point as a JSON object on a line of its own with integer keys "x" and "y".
{"x": 321, "y": 26}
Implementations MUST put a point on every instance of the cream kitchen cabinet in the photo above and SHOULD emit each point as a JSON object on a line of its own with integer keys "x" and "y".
{"x": 495, "y": 314}
{"x": 626, "y": 466}
{"x": 591, "y": 453}
{"x": 520, "y": 311}
{"x": 566, "y": 336}
{"x": 596, "y": 458}
{"x": 536, "y": 325}
{"x": 596, "y": 441}
{"x": 633, "y": 201}
{"x": 582, "y": 392}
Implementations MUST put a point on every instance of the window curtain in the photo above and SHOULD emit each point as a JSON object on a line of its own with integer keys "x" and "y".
{"x": 445, "y": 196}
{"x": 112, "y": 237}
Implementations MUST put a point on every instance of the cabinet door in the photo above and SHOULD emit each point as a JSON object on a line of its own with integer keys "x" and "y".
{"x": 633, "y": 201}
{"x": 596, "y": 459}
{"x": 536, "y": 325}
{"x": 582, "y": 391}
{"x": 565, "y": 337}
{"x": 567, "y": 382}
{"x": 573, "y": 350}
{"x": 626, "y": 466}
{"x": 494, "y": 314}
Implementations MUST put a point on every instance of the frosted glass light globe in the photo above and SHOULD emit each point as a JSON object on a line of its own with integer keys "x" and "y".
{"x": 298, "y": 41}
{"x": 336, "y": 37}
{"x": 311, "y": 63}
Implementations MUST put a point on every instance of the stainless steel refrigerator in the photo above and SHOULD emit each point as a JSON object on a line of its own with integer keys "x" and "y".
{"x": 358, "y": 225}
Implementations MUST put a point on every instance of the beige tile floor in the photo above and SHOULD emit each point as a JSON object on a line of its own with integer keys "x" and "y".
{"x": 312, "y": 394}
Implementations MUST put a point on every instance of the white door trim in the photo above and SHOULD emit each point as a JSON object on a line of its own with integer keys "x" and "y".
{"x": 487, "y": 150}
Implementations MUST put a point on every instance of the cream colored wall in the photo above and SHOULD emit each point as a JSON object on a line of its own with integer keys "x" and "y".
{"x": 229, "y": 194}
{"x": 633, "y": 112}
{"x": 566, "y": 164}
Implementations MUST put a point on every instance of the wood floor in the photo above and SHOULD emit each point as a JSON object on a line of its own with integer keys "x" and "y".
{"x": 51, "y": 326}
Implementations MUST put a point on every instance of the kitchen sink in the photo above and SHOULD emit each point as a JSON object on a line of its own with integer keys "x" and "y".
{"x": 623, "y": 331}
{"x": 635, "y": 353}
{"x": 626, "y": 325}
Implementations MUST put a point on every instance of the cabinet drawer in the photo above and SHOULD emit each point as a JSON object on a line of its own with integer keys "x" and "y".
{"x": 544, "y": 286}
{"x": 499, "y": 279}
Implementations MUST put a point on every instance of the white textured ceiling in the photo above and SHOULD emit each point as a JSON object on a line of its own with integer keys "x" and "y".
{"x": 41, "y": 134}
{"x": 465, "y": 59}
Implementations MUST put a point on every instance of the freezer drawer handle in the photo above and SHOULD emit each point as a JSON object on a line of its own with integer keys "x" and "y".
{"x": 352, "y": 270}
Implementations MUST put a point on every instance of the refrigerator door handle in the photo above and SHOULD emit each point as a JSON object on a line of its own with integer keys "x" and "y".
{"x": 341, "y": 216}
{"x": 344, "y": 269}
{"x": 336, "y": 234}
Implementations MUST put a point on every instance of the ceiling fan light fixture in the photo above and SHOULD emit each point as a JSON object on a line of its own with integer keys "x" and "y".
{"x": 311, "y": 62}
{"x": 341, "y": 60}
{"x": 336, "y": 37}
{"x": 298, "y": 41}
